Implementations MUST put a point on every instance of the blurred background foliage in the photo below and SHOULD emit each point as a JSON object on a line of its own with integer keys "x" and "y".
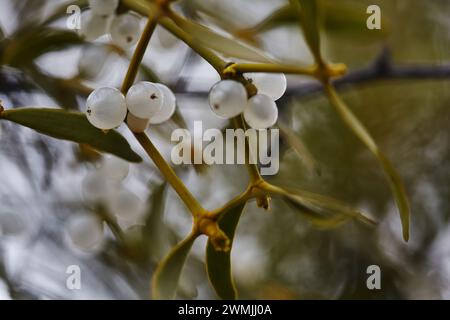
{"x": 277, "y": 254}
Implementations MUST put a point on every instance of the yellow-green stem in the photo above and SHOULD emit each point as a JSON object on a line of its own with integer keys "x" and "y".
{"x": 192, "y": 204}
{"x": 169, "y": 174}
{"x": 273, "y": 68}
{"x": 240, "y": 199}
{"x": 252, "y": 167}
{"x": 140, "y": 51}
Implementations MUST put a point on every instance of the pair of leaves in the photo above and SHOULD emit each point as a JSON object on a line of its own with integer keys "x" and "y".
{"x": 207, "y": 37}
{"x": 218, "y": 263}
{"x": 72, "y": 126}
{"x": 307, "y": 10}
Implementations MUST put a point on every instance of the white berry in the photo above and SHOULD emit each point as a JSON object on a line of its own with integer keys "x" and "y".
{"x": 106, "y": 108}
{"x": 271, "y": 84}
{"x": 127, "y": 206}
{"x": 125, "y": 30}
{"x": 103, "y": 7}
{"x": 261, "y": 112}
{"x": 168, "y": 107}
{"x": 228, "y": 98}
{"x": 96, "y": 188}
{"x": 144, "y": 99}
{"x": 115, "y": 168}
{"x": 85, "y": 232}
{"x": 93, "y": 26}
{"x": 92, "y": 61}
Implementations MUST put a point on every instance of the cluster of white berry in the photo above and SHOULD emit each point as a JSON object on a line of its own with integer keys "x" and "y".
{"x": 105, "y": 187}
{"x": 228, "y": 98}
{"x": 100, "y": 19}
{"x": 146, "y": 102}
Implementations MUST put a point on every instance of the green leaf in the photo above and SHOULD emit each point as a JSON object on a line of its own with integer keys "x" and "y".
{"x": 165, "y": 279}
{"x": 323, "y": 211}
{"x": 71, "y": 126}
{"x": 299, "y": 147}
{"x": 339, "y": 19}
{"x": 308, "y": 16}
{"x": 218, "y": 263}
{"x": 361, "y": 132}
{"x": 224, "y": 45}
{"x": 34, "y": 41}
{"x": 157, "y": 236}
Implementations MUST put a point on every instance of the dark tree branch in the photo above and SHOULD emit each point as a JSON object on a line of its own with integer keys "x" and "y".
{"x": 380, "y": 69}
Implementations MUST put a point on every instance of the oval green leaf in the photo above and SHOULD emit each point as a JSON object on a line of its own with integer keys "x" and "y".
{"x": 226, "y": 46}
{"x": 395, "y": 182}
{"x": 323, "y": 211}
{"x": 218, "y": 263}
{"x": 167, "y": 275}
{"x": 307, "y": 12}
{"x": 72, "y": 126}
{"x": 339, "y": 19}
{"x": 299, "y": 147}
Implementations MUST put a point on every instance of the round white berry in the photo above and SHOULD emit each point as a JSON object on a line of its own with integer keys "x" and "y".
{"x": 104, "y": 7}
{"x": 96, "y": 188}
{"x": 115, "y": 168}
{"x": 271, "y": 84}
{"x": 144, "y": 99}
{"x": 168, "y": 107}
{"x": 228, "y": 98}
{"x": 106, "y": 108}
{"x": 125, "y": 30}
{"x": 261, "y": 112}
{"x": 85, "y": 232}
{"x": 127, "y": 206}
{"x": 92, "y": 61}
{"x": 92, "y": 26}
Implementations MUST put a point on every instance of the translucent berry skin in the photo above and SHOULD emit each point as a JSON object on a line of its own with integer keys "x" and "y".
{"x": 271, "y": 84}
{"x": 126, "y": 205}
{"x": 103, "y": 7}
{"x": 228, "y": 98}
{"x": 92, "y": 60}
{"x": 85, "y": 232}
{"x": 93, "y": 26}
{"x": 168, "y": 107}
{"x": 125, "y": 30}
{"x": 261, "y": 112}
{"x": 96, "y": 188}
{"x": 115, "y": 168}
{"x": 106, "y": 108}
{"x": 144, "y": 99}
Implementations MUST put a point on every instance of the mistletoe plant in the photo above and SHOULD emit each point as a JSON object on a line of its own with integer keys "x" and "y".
{"x": 107, "y": 108}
